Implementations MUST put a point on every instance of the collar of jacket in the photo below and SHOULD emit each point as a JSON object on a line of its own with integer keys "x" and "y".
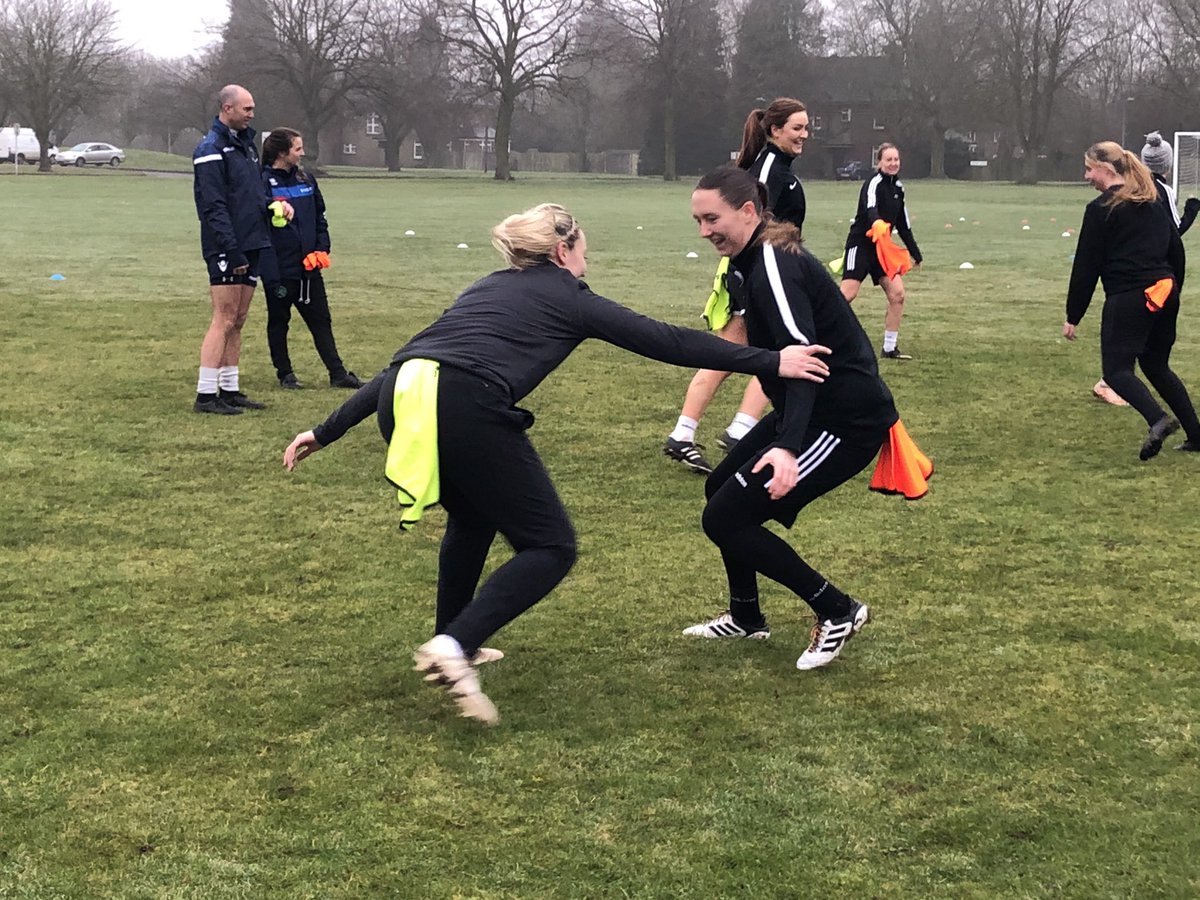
{"x": 746, "y": 258}
{"x": 245, "y": 137}
{"x": 787, "y": 158}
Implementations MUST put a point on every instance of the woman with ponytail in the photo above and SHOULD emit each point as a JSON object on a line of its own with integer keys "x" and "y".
{"x": 772, "y": 138}
{"x": 447, "y": 406}
{"x": 1130, "y": 244}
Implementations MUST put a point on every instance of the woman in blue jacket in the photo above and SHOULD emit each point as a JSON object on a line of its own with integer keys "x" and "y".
{"x": 301, "y": 250}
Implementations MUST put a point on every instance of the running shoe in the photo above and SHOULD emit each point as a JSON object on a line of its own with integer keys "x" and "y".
{"x": 215, "y": 405}
{"x": 1189, "y": 447}
{"x": 727, "y": 442}
{"x": 240, "y": 400}
{"x": 486, "y": 655}
{"x": 1159, "y": 432}
{"x": 688, "y": 453}
{"x": 290, "y": 382}
{"x": 1101, "y": 391}
{"x": 346, "y": 380}
{"x": 894, "y": 354}
{"x": 830, "y": 636}
{"x": 443, "y": 663}
{"x": 723, "y": 626}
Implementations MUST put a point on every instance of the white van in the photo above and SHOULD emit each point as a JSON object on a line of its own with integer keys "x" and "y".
{"x": 21, "y": 146}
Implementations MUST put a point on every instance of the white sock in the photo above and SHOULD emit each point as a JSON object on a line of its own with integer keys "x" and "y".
{"x": 208, "y": 381}
{"x": 228, "y": 379}
{"x": 446, "y": 644}
{"x": 685, "y": 429}
{"x": 889, "y": 340}
{"x": 740, "y": 426}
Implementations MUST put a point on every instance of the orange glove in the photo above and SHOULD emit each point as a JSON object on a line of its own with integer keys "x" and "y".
{"x": 318, "y": 259}
{"x": 879, "y": 231}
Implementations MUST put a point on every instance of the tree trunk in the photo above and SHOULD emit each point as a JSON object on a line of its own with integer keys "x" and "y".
{"x": 669, "y": 173}
{"x": 43, "y": 137}
{"x": 504, "y": 117}
{"x": 391, "y": 153}
{"x": 937, "y": 151}
{"x": 1028, "y": 173}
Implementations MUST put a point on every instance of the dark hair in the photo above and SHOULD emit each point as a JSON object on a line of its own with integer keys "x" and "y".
{"x": 277, "y": 143}
{"x": 759, "y": 124}
{"x": 738, "y": 187}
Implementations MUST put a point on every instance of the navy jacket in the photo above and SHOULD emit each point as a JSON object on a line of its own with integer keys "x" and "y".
{"x": 230, "y": 198}
{"x": 308, "y": 230}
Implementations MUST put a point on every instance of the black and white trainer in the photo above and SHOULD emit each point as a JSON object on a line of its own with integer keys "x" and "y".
{"x": 688, "y": 453}
{"x": 830, "y": 636}
{"x": 443, "y": 662}
{"x": 723, "y": 626}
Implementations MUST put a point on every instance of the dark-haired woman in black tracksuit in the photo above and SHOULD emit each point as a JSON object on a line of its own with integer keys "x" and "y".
{"x": 817, "y": 436}
{"x": 1129, "y": 243}
{"x": 292, "y": 273}
{"x": 495, "y": 344}
{"x": 881, "y": 198}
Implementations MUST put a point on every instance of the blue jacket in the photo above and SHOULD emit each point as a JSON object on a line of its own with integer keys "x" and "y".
{"x": 230, "y": 198}
{"x": 308, "y": 230}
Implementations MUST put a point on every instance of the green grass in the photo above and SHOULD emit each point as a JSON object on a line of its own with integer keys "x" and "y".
{"x": 204, "y": 662}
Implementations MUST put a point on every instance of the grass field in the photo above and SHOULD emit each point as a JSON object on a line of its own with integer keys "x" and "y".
{"x": 204, "y": 661}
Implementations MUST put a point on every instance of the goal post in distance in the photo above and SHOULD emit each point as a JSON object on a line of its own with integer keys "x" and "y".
{"x": 1186, "y": 176}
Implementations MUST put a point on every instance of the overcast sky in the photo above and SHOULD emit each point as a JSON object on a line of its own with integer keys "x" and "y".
{"x": 168, "y": 28}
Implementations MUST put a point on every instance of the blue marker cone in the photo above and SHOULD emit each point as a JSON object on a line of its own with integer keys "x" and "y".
{"x": 58, "y": 277}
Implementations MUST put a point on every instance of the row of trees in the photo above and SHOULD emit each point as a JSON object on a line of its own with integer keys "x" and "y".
{"x": 673, "y": 77}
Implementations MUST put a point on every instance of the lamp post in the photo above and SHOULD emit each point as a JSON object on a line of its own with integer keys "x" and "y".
{"x": 1124, "y": 118}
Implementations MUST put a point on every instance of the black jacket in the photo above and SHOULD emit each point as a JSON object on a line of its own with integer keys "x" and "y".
{"x": 514, "y": 327}
{"x": 882, "y": 197}
{"x": 1166, "y": 196}
{"x": 785, "y": 194}
{"x": 230, "y": 199}
{"x": 1128, "y": 247}
{"x": 308, "y": 230}
{"x": 789, "y": 298}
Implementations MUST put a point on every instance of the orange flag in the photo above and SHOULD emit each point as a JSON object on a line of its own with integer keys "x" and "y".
{"x": 894, "y": 260}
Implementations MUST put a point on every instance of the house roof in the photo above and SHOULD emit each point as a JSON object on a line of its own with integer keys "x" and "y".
{"x": 851, "y": 79}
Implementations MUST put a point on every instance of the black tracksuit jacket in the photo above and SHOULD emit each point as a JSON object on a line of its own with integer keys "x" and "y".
{"x": 785, "y": 193}
{"x": 882, "y": 197}
{"x": 307, "y": 231}
{"x": 514, "y": 327}
{"x": 790, "y": 299}
{"x": 230, "y": 198}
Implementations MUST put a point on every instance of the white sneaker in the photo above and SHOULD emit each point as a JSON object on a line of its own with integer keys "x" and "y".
{"x": 723, "y": 626}
{"x": 831, "y": 635}
{"x": 442, "y": 660}
{"x": 486, "y": 655}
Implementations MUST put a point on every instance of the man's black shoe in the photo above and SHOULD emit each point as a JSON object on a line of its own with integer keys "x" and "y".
{"x": 290, "y": 382}
{"x": 237, "y": 398}
{"x": 1189, "y": 447}
{"x": 211, "y": 403}
{"x": 346, "y": 380}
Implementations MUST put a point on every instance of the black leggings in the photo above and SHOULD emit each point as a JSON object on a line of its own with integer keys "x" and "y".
{"x": 492, "y": 481}
{"x": 738, "y": 505}
{"x": 308, "y": 296}
{"x": 1130, "y": 333}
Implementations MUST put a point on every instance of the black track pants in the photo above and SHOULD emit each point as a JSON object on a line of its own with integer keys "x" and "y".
{"x": 307, "y": 294}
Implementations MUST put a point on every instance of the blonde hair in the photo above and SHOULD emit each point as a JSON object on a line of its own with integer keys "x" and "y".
{"x": 528, "y": 239}
{"x": 1139, "y": 184}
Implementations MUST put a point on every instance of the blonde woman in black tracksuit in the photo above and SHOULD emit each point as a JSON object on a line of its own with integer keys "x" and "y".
{"x": 498, "y": 341}
{"x": 1129, "y": 243}
{"x": 881, "y": 197}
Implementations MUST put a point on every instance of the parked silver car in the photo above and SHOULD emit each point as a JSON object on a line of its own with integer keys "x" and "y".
{"x": 91, "y": 154}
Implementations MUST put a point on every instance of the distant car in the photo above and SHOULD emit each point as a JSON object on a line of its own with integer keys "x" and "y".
{"x": 91, "y": 154}
{"x": 855, "y": 170}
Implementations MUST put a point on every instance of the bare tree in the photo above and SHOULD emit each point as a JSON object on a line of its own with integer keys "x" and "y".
{"x": 57, "y": 56}
{"x": 317, "y": 49}
{"x": 1174, "y": 40}
{"x": 1039, "y": 48}
{"x": 663, "y": 29}
{"x": 516, "y": 47}
{"x": 405, "y": 73}
{"x": 935, "y": 48}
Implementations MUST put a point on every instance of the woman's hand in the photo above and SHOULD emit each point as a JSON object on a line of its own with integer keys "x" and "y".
{"x": 800, "y": 361}
{"x": 1068, "y": 331}
{"x": 785, "y": 471}
{"x": 304, "y": 444}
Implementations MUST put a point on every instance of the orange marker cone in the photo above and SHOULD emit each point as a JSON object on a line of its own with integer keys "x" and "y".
{"x": 902, "y": 467}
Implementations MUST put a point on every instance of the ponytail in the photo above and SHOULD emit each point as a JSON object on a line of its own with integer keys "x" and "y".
{"x": 1138, "y": 187}
{"x": 781, "y": 234}
{"x": 759, "y": 123}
